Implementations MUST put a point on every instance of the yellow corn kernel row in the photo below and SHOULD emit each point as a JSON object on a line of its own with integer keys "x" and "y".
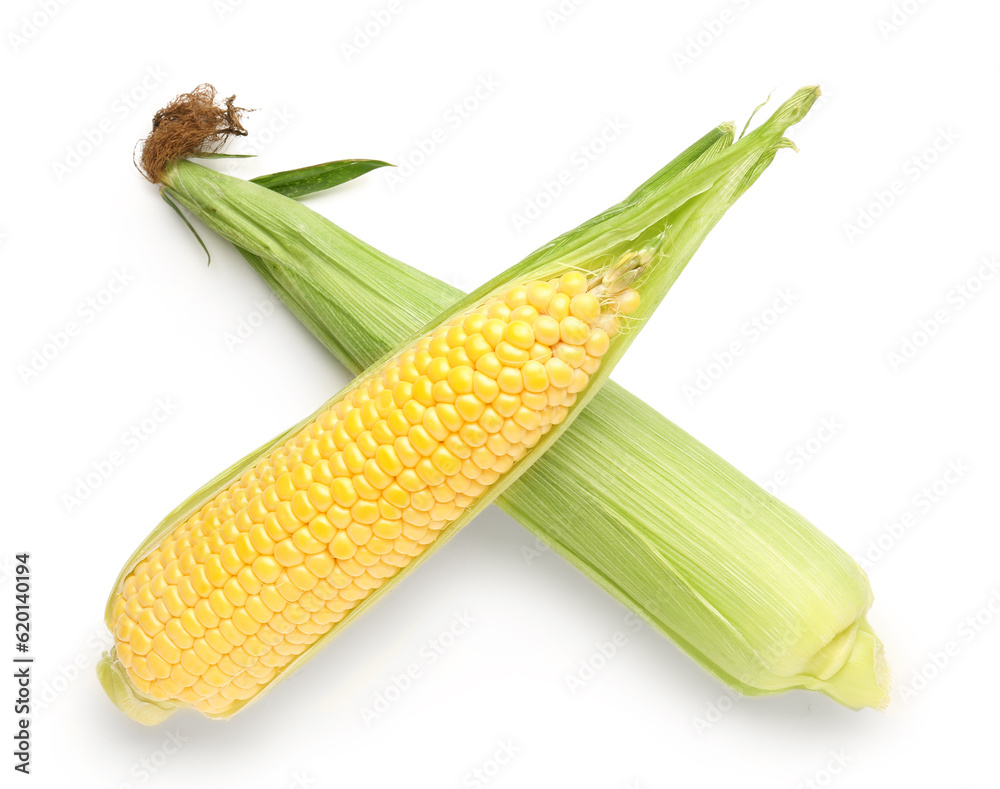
{"x": 272, "y": 563}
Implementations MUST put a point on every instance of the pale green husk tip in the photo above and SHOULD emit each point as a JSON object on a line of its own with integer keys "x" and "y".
{"x": 123, "y": 694}
{"x": 864, "y": 678}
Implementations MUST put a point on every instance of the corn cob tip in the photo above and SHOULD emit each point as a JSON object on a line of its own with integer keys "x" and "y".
{"x": 123, "y": 694}
{"x": 865, "y": 678}
{"x": 191, "y": 124}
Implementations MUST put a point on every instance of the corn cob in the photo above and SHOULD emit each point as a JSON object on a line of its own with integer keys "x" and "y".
{"x": 259, "y": 573}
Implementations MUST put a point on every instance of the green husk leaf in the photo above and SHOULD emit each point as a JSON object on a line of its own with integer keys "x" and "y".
{"x": 307, "y": 180}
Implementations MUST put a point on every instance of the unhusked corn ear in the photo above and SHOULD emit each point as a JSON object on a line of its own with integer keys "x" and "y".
{"x": 239, "y": 589}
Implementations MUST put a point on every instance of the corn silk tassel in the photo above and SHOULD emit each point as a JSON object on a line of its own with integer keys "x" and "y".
{"x": 229, "y": 592}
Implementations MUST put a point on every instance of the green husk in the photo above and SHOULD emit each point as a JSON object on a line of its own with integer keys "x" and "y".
{"x": 304, "y": 256}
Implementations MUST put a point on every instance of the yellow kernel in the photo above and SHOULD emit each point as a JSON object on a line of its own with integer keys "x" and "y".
{"x": 476, "y": 346}
{"x": 499, "y": 310}
{"x": 439, "y": 346}
{"x": 517, "y": 296}
{"x": 189, "y": 621}
{"x": 438, "y": 370}
{"x": 172, "y": 599}
{"x": 591, "y": 365}
{"x": 287, "y": 554}
{"x": 320, "y": 497}
{"x": 423, "y": 500}
{"x": 260, "y": 540}
{"x": 457, "y": 357}
{"x": 473, "y": 323}
{"x": 266, "y": 568}
{"x": 559, "y": 373}
{"x": 498, "y": 445}
{"x": 449, "y": 417}
{"x": 159, "y": 667}
{"x": 387, "y": 529}
{"x": 540, "y": 295}
{"x": 302, "y": 578}
{"x": 302, "y": 476}
{"x": 460, "y": 379}
{"x": 366, "y": 511}
{"x": 455, "y": 336}
{"x": 473, "y": 435}
{"x": 442, "y": 393}
{"x": 320, "y": 564}
{"x": 199, "y": 580}
{"x": 585, "y": 307}
{"x": 323, "y": 472}
{"x": 492, "y": 332}
{"x": 539, "y": 352}
{"x": 342, "y": 547}
{"x": 234, "y": 591}
{"x": 429, "y": 473}
{"x": 402, "y": 392}
{"x": 535, "y": 377}
{"x": 491, "y": 421}
{"x": 445, "y": 462}
{"x": 456, "y": 446}
{"x": 285, "y": 487}
{"x": 628, "y": 301}
{"x": 598, "y": 343}
{"x": 220, "y": 604}
{"x": 414, "y": 412}
{"x": 286, "y": 518}
{"x": 534, "y": 401}
{"x": 506, "y": 404}
{"x": 353, "y": 423}
{"x": 396, "y": 496}
{"x": 398, "y": 424}
{"x": 519, "y": 334}
{"x": 321, "y": 528}
{"x": 469, "y": 407}
{"x": 485, "y": 389}
{"x": 512, "y": 431}
{"x": 306, "y": 543}
{"x": 432, "y": 423}
{"x": 382, "y": 433}
{"x": 422, "y": 441}
{"x": 510, "y": 354}
{"x": 375, "y": 475}
{"x": 483, "y": 458}
{"x": 573, "y": 331}
{"x": 343, "y": 491}
{"x": 559, "y": 306}
{"x": 578, "y": 382}
{"x": 230, "y": 558}
{"x": 489, "y": 365}
{"x": 367, "y": 444}
{"x": 215, "y": 572}
{"x": 546, "y": 329}
{"x": 354, "y": 459}
{"x": 573, "y": 355}
{"x": 527, "y": 418}
{"x": 525, "y": 313}
{"x": 206, "y": 615}
{"x": 510, "y": 380}
{"x": 573, "y": 283}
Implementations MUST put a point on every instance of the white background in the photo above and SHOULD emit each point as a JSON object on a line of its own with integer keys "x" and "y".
{"x": 68, "y": 224}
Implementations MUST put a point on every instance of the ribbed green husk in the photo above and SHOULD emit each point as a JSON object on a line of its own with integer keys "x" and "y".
{"x": 350, "y": 273}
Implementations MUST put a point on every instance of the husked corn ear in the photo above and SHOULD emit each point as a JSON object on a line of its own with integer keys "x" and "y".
{"x": 265, "y": 568}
